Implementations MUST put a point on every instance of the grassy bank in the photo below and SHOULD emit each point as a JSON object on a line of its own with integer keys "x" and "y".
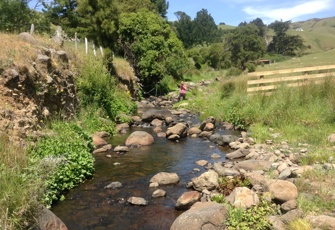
{"x": 301, "y": 116}
{"x": 61, "y": 159}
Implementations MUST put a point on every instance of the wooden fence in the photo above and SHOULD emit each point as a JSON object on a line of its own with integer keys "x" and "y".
{"x": 268, "y": 81}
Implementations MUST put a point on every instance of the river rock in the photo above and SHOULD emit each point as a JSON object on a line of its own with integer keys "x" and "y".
{"x": 47, "y": 220}
{"x": 98, "y": 142}
{"x": 157, "y": 122}
{"x": 137, "y": 201}
{"x": 201, "y": 162}
{"x": 282, "y": 190}
{"x": 208, "y": 120}
{"x": 237, "y": 154}
{"x": 120, "y": 127}
{"x": 187, "y": 199}
{"x": 161, "y": 134}
{"x": 152, "y": 114}
{"x": 194, "y": 130}
{"x": 250, "y": 165}
{"x": 207, "y": 180}
{"x": 322, "y": 222}
{"x": 114, "y": 185}
{"x": 223, "y": 171}
{"x": 288, "y": 206}
{"x": 202, "y": 215}
{"x": 121, "y": 149}
{"x": 139, "y": 138}
{"x": 179, "y": 129}
{"x": 158, "y": 193}
{"x": 164, "y": 178}
{"x": 103, "y": 149}
{"x": 243, "y": 197}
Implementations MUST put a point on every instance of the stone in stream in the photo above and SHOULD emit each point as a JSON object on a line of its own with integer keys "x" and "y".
{"x": 139, "y": 138}
{"x": 164, "y": 178}
{"x": 187, "y": 199}
{"x": 113, "y": 185}
{"x": 158, "y": 193}
{"x": 137, "y": 201}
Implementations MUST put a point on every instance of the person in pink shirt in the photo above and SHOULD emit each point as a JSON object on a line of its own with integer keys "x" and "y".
{"x": 182, "y": 91}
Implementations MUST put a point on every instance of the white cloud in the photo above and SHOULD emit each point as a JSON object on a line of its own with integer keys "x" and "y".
{"x": 296, "y": 10}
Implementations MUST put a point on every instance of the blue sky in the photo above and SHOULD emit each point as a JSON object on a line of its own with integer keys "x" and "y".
{"x": 232, "y": 12}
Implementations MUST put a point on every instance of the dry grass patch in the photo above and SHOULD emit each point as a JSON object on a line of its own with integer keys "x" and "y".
{"x": 16, "y": 51}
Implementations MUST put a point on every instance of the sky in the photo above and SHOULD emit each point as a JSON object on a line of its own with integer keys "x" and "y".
{"x": 232, "y": 12}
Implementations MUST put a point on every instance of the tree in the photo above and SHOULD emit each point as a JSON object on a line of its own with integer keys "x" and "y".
{"x": 184, "y": 28}
{"x": 261, "y": 26}
{"x": 62, "y": 13}
{"x": 99, "y": 21}
{"x": 245, "y": 45}
{"x": 151, "y": 47}
{"x": 161, "y": 7}
{"x": 282, "y": 43}
{"x": 205, "y": 31}
{"x": 15, "y": 16}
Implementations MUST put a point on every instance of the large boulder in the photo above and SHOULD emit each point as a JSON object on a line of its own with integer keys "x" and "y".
{"x": 202, "y": 215}
{"x": 139, "y": 138}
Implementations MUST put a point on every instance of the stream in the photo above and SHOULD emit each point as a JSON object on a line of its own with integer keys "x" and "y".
{"x": 91, "y": 207}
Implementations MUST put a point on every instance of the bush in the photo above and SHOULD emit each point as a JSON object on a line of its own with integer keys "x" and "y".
{"x": 254, "y": 218}
{"x": 97, "y": 88}
{"x": 66, "y": 157}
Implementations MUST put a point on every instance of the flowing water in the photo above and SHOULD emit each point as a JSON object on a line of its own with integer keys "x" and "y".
{"x": 91, "y": 207}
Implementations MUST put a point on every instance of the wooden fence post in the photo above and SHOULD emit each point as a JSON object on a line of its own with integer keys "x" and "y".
{"x": 32, "y": 28}
{"x": 76, "y": 41}
{"x": 94, "y": 51}
{"x": 86, "y": 45}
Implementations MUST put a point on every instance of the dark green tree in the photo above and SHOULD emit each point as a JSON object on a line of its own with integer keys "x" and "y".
{"x": 205, "y": 31}
{"x": 15, "y": 16}
{"x": 129, "y": 6}
{"x": 184, "y": 29}
{"x": 63, "y": 13}
{"x": 99, "y": 20}
{"x": 261, "y": 26}
{"x": 283, "y": 43}
{"x": 161, "y": 7}
{"x": 245, "y": 45}
{"x": 151, "y": 47}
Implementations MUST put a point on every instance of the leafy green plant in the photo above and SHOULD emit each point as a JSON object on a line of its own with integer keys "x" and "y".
{"x": 67, "y": 156}
{"x": 218, "y": 199}
{"x": 227, "y": 185}
{"x": 253, "y": 218}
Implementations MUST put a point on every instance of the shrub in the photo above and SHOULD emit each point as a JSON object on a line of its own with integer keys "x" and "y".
{"x": 66, "y": 157}
{"x": 254, "y": 218}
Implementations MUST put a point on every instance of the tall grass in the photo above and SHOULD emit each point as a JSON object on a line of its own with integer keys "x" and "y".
{"x": 19, "y": 190}
{"x": 301, "y": 114}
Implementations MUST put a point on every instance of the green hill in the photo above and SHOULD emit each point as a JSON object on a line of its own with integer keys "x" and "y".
{"x": 318, "y": 33}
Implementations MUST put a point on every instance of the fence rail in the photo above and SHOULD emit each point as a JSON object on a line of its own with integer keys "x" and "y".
{"x": 268, "y": 81}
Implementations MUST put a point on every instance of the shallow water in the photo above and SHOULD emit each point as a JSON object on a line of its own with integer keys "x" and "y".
{"x": 91, "y": 207}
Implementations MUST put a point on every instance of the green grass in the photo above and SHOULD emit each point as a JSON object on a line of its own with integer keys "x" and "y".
{"x": 20, "y": 190}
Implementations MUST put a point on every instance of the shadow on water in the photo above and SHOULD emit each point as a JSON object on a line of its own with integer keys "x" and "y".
{"x": 91, "y": 207}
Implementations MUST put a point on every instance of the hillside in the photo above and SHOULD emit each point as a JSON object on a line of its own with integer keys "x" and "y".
{"x": 318, "y": 33}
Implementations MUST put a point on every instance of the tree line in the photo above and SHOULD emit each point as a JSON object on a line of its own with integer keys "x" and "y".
{"x": 139, "y": 31}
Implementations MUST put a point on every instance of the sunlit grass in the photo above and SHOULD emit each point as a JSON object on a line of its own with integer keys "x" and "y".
{"x": 19, "y": 191}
